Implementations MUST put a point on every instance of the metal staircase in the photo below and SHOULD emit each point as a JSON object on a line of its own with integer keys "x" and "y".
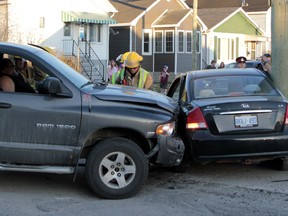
{"x": 90, "y": 65}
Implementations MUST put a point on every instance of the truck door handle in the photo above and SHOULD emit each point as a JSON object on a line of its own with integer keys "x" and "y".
{"x": 5, "y": 105}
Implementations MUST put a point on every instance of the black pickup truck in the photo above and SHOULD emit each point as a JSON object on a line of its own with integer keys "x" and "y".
{"x": 117, "y": 131}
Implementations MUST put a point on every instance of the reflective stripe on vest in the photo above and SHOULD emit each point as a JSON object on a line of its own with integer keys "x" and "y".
{"x": 116, "y": 75}
{"x": 142, "y": 77}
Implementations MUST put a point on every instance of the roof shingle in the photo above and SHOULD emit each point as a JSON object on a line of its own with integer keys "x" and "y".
{"x": 128, "y": 10}
{"x": 172, "y": 17}
{"x": 253, "y": 5}
{"x": 213, "y": 16}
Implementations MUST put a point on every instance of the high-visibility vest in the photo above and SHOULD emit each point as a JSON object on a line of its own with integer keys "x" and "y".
{"x": 142, "y": 77}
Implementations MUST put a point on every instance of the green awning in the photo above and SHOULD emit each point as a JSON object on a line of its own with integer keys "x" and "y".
{"x": 84, "y": 17}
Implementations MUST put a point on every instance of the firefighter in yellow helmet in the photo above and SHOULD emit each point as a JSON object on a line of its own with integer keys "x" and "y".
{"x": 133, "y": 74}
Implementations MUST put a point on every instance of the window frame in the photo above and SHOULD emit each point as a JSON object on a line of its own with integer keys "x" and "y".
{"x": 67, "y": 25}
{"x": 183, "y": 41}
{"x": 42, "y": 22}
{"x": 95, "y": 33}
{"x": 155, "y": 41}
{"x": 191, "y": 35}
{"x": 165, "y": 41}
{"x": 149, "y": 32}
{"x": 198, "y": 49}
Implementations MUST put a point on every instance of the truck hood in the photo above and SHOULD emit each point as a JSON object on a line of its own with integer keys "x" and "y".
{"x": 130, "y": 94}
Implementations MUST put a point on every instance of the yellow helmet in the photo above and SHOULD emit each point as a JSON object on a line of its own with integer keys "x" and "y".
{"x": 133, "y": 60}
{"x": 121, "y": 58}
{"x": 124, "y": 56}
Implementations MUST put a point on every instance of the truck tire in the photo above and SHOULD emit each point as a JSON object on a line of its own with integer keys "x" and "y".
{"x": 281, "y": 164}
{"x": 116, "y": 168}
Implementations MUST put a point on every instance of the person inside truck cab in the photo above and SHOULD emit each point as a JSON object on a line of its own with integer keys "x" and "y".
{"x": 6, "y": 83}
{"x": 133, "y": 74}
{"x": 7, "y": 68}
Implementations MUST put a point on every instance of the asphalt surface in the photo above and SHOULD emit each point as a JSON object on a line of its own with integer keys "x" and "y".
{"x": 209, "y": 190}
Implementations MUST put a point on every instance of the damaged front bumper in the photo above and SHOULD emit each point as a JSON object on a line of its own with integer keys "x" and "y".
{"x": 170, "y": 150}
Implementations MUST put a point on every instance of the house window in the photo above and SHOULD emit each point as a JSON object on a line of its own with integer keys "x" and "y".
{"x": 198, "y": 42}
{"x": 94, "y": 33}
{"x": 146, "y": 42}
{"x": 99, "y": 32}
{"x": 189, "y": 42}
{"x": 42, "y": 22}
{"x": 67, "y": 29}
{"x": 181, "y": 41}
{"x": 232, "y": 55}
{"x": 169, "y": 41}
{"x": 158, "y": 42}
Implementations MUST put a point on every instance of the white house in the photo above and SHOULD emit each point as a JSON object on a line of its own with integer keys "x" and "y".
{"x": 63, "y": 25}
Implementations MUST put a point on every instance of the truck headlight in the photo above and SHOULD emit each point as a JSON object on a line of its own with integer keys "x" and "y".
{"x": 166, "y": 129}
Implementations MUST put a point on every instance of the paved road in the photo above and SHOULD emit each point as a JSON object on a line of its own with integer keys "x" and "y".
{"x": 209, "y": 190}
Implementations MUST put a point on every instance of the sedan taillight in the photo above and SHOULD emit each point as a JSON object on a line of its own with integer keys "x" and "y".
{"x": 286, "y": 115}
{"x": 195, "y": 120}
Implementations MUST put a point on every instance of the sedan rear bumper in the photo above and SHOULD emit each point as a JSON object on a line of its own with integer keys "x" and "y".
{"x": 206, "y": 147}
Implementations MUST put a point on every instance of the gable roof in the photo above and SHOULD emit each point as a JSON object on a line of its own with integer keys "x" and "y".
{"x": 172, "y": 18}
{"x": 129, "y": 10}
{"x": 252, "y": 5}
{"x": 257, "y": 6}
{"x": 213, "y": 16}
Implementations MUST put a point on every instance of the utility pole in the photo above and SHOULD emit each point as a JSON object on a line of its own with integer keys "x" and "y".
{"x": 194, "y": 28}
{"x": 279, "y": 35}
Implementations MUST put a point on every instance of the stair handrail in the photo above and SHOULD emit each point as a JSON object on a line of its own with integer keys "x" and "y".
{"x": 90, "y": 49}
{"x": 74, "y": 43}
{"x": 77, "y": 51}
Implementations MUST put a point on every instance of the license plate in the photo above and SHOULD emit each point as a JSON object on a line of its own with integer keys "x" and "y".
{"x": 246, "y": 121}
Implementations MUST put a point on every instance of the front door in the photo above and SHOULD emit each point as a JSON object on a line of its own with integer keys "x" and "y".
{"x": 38, "y": 129}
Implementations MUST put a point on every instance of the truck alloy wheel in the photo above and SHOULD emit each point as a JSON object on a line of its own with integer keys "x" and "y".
{"x": 116, "y": 168}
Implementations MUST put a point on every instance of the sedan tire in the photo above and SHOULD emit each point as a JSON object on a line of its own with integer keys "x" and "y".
{"x": 116, "y": 168}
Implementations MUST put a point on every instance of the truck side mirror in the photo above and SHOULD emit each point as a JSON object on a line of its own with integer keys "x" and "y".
{"x": 51, "y": 85}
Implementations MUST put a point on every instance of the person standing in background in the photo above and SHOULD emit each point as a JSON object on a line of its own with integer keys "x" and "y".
{"x": 112, "y": 68}
{"x": 164, "y": 77}
{"x": 241, "y": 62}
{"x": 265, "y": 65}
{"x": 212, "y": 66}
{"x": 222, "y": 65}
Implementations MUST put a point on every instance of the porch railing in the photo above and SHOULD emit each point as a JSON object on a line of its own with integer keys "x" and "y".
{"x": 89, "y": 62}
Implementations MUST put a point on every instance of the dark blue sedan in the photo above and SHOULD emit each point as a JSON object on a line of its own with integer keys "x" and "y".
{"x": 231, "y": 114}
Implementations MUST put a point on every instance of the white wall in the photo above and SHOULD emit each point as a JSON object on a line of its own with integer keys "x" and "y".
{"x": 24, "y": 21}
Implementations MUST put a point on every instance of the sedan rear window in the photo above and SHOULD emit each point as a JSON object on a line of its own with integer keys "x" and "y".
{"x": 231, "y": 86}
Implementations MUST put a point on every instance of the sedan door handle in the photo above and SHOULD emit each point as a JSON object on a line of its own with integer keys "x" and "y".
{"x": 5, "y": 105}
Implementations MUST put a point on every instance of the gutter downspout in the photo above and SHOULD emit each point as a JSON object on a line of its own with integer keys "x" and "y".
{"x": 153, "y": 54}
{"x": 135, "y": 38}
{"x": 130, "y": 43}
{"x": 176, "y": 51}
